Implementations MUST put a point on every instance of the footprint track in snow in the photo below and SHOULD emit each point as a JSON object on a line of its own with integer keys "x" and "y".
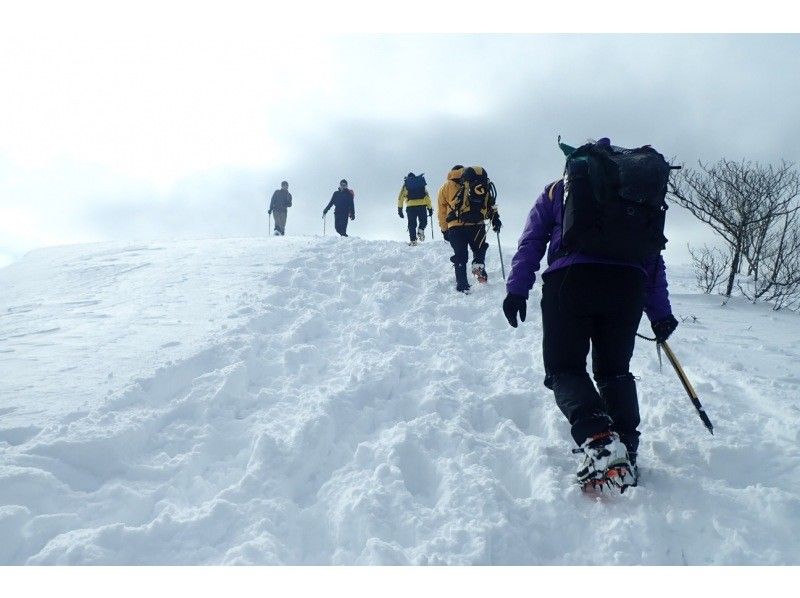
{"x": 363, "y": 412}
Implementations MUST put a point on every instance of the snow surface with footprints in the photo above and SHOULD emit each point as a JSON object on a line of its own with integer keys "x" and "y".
{"x": 335, "y": 401}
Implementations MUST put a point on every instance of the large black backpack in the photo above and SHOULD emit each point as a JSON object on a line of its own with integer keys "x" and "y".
{"x": 415, "y": 186}
{"x": 614, "y": 201}
{"x": 476, "y": 196}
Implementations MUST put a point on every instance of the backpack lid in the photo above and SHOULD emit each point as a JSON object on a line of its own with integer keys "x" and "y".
{"x": 474, "y": 172}
{"x": 415, "y": 181}
{"x": 568, "y": 150}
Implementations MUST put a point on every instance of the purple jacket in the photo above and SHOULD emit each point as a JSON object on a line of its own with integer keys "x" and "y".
{"x": 543, "y": 226}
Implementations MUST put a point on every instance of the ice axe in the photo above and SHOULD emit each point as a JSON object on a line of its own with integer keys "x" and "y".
{"x": 682, "y": 377}
{"x": 500, "y": 249}
{"x": 687, "y": 385}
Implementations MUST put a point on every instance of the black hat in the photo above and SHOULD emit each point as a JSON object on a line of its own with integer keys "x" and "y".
{"x": 284, "y": 183}
{"x": 343, "y": 181}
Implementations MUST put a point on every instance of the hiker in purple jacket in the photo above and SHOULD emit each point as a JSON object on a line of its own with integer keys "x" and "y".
{"x": 585, "y": 299}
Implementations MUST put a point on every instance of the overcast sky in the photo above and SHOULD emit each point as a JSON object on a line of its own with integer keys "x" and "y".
{"x": 153, "y": 131}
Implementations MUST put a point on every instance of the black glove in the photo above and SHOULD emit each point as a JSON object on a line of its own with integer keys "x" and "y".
{"x": 269, "y": 211}
{"x": 400, "y": 212}
{"x": 324, "y": 213}
{"x": 664, "y": 328}
{"x": 496, "y": 224}
{"x": 445, "y": 234}
{"x": 513, "y": 305}
{"x": 352, "y": 216}
{"x": 430, "y": 212}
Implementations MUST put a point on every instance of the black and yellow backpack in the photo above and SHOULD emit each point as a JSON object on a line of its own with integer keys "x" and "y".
{"x": 476, "y": 197}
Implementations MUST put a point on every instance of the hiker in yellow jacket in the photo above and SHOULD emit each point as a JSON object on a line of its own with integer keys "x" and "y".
{"x": 414, "y": 196}
{"x": 464, "y": 202}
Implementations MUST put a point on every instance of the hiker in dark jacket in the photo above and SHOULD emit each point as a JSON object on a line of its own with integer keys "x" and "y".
{"x": 278, "y": 206}
{"x": 588, "y": 299}
{"x": 343, "y": 207}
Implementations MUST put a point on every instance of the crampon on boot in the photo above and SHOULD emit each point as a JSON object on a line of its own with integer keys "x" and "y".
{"x": 420, "y": 234}
{"x": 480, "y": 273}
{"x": 605, "y": 464}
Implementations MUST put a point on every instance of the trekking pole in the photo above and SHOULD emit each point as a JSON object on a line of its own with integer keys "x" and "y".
{"x": 500, "y": 249}
{"x": 324, "y": 223}
{"x": 687, "y": 386}
{"x": 269, "y": 220}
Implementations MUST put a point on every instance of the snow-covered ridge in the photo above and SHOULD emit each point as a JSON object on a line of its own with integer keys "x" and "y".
{"x": 310, "y": 400}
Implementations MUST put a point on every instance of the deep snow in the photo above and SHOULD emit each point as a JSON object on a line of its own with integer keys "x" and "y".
{"x": 326, "y": 400}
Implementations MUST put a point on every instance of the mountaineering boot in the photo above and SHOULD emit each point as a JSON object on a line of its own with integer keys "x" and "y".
{"x": 412, "y": 243}
{"x": 420, "y": 235}
{"x": 605, "y": 463}
{"x": 621, "y": 403}
{"x": 634, "y": 481}
{"x": 480, "y": 272}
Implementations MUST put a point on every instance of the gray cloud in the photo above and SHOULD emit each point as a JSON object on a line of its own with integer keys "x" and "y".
{"x": 423, "y": 103}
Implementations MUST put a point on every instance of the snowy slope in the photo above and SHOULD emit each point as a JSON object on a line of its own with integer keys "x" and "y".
{"x": 310, "y": 400}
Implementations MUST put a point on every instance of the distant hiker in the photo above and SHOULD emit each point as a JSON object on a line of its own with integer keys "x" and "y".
{"x": 598, "y": 281}
{"x": 343, "y": 207}
{"x": 466, "y": 199}
{"x": 417, "y": 201}
{"x": 278, "y": 206}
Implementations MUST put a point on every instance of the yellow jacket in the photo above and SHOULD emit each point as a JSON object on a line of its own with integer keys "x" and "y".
{"x": 446, "y": 200}
{"x": 403, "y": 199}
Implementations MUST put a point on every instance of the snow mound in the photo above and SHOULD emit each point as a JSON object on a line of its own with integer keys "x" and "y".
{"x": 321, "y": 400}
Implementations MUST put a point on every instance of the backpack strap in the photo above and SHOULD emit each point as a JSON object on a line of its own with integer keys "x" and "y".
{"x": 551, "y": 188}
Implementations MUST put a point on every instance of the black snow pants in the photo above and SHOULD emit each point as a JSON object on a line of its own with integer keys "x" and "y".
{"x": 417, "y": 218}
{"x": 340, "y": 222}
{"x": 462, "y": 238}
{"x": 601, "y": 304}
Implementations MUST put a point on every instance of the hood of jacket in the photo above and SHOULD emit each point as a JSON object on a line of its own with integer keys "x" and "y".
{"x": 455, "y": 174}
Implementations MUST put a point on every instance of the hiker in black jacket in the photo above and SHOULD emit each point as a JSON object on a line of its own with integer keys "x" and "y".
{"x": 343, "y": 207}
{"x": 281, "y": 200}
